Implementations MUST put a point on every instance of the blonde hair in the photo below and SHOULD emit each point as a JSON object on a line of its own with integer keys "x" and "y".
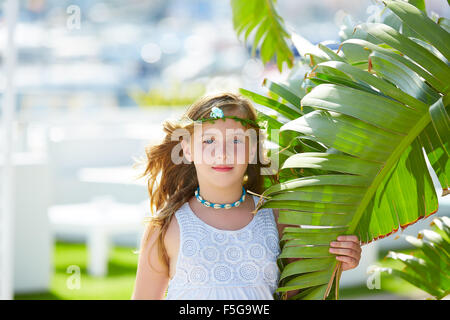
{"x": 170, "y": 185}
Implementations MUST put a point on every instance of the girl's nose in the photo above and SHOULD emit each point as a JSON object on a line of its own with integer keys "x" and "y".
{"x": 224, "y": 151}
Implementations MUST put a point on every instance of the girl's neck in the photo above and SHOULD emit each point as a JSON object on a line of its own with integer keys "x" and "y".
{"x": 216, "y": 194}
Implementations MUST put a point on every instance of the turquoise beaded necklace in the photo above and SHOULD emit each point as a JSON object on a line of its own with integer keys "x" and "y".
{"x": 218, "y": 205}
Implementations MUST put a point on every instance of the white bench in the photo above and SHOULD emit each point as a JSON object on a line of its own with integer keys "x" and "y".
{"x": 98, "y": 221}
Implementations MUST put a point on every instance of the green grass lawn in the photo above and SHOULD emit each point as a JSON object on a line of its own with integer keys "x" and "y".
{"x": 119, "y": 282}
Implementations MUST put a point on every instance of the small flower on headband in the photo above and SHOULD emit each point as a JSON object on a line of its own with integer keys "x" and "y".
{"x": 216, "y": 113}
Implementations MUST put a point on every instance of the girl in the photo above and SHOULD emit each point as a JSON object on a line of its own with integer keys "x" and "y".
{"x": 205, "y": 242}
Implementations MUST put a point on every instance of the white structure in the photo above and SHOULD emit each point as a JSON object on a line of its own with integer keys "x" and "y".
{"x": 32, "y": 249}
{"x": 98, "y": 221}
{"x": 8, "y": 107}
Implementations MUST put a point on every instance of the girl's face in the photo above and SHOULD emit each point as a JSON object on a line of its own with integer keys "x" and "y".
{"x": 221, "y": 151}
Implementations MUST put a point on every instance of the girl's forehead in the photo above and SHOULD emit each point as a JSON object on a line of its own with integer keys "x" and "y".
{"x": 227, "y": 126}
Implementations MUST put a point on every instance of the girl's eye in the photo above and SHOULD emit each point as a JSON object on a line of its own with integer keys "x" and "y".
{"x": 208, "y": 141}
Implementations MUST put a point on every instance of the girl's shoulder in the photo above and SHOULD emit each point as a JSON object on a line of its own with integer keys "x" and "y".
{"x": 172, "y": 235}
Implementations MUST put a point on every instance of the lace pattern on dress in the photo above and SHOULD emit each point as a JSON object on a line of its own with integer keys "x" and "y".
{"x": 210, "y": 257}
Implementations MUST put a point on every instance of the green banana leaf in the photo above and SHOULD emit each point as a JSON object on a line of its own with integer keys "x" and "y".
{"x": 376, "y": 113}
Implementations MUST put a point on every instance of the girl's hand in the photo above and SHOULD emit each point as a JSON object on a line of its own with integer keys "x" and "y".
{"x": 348, "y": 250}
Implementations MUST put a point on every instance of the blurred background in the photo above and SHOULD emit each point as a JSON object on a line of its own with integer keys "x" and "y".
{"x": 89, "y": 83}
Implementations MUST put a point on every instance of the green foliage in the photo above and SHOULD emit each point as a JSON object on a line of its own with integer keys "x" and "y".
{"x": 429, "y": 267}
{"x": 270, "y": 34}
{"x": 175, "y": 95}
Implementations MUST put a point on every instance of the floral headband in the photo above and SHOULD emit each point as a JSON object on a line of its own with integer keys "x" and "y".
{"x": 217, "y": 113}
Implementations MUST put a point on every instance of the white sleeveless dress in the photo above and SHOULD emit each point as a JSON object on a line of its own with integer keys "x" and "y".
{"x": 216, "y": 264}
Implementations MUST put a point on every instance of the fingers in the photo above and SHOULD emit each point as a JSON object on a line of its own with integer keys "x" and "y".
{"x": 346, "y": 245}
{"x": 347, "y": 262}
{"x": 351, "y": 238}
{"x": 345, "y": 252}
{"x": 348, "y": 250}
{"x": 347, "y": 241}
{"x": 350, "y": 258}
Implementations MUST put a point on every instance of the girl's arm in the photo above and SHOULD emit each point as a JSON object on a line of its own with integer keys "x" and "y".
{"x": 150, "y": 284}
{"x": 348, "y": 248}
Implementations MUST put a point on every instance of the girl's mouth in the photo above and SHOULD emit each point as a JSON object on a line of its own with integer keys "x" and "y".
{"x": 222, "y": 168}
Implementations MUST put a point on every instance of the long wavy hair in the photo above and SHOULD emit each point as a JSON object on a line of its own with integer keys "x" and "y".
{"x": 170, "y": 185}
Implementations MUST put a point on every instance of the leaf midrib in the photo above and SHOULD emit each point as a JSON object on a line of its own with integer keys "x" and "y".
{"x": 391, "y": 161}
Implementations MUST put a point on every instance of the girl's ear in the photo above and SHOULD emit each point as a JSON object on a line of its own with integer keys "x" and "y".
{"x": 186, "y": 150}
